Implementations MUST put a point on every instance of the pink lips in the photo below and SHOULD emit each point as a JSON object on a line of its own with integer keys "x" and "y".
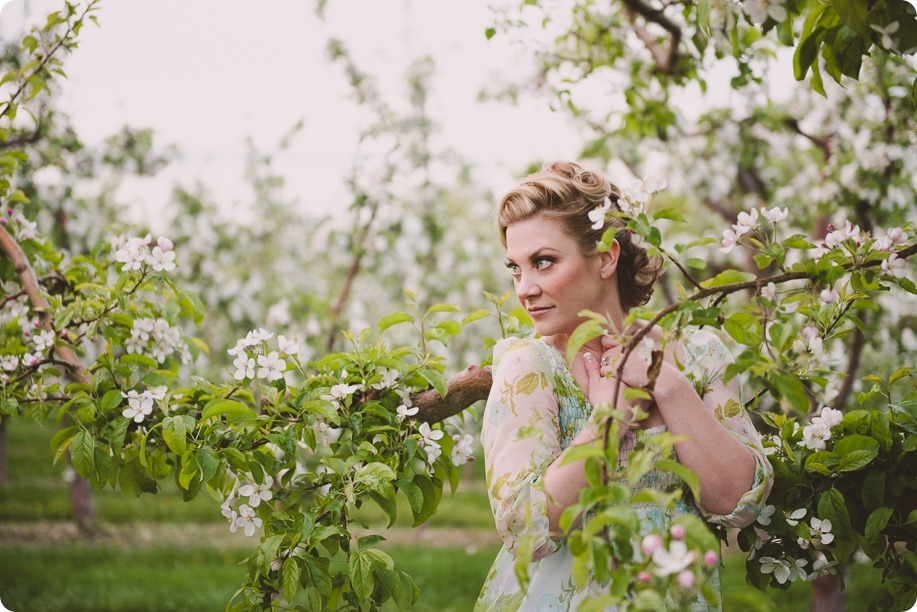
{"x": 537, "y": 312}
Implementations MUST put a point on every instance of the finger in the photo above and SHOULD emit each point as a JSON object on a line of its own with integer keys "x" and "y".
{"x": 593, "y": 368}
{"x": 609, "y": 342}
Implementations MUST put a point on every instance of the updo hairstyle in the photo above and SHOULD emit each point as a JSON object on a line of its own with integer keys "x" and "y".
{"x": 566, "y": 192}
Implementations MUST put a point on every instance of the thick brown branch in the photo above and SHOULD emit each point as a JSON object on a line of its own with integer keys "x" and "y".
{"x": 465, "y": 388}
{"x": 8, "y": 244}
{"x": 474, "y": 383}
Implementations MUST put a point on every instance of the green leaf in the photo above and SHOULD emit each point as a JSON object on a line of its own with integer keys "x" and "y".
{"x": 82, "y": 454}
{"x": 290, "y": 578}
{"x": 437, "y": 380}
{"x": 791, "y": 388}
{"x": 361, "y": 575}
{"x": 394, "y": 319}
{"x": 232, "y": 409}
{"x": 876, "y": 522}
{"x": 745, "y": 328}
{"x": 61, "y": 441}
{"x": 855, "y": 460}
{"x": 489, "y": 33}
{"x": 475, "y": 316}
{"x": 697, "y": 264}
{"x": 831, "y": 506}
{"x": 672, "y": 214}
{"x": 586, "y": 331}
{"x": 142, "y": 360}
{"x": 174, "y": 433}
{"x": 110, "y": 401}
{"x": 727, "y": 278}
{"x": 439, "y": 307}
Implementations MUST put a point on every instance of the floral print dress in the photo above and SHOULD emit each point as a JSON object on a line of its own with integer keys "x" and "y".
{"x": 534, "y": 411}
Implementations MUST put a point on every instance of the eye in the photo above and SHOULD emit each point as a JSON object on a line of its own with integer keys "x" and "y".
{"x": 543, "y": 262}
{"x": 513, "y": 268}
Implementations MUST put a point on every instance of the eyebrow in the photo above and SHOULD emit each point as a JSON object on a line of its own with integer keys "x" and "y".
{"x": 536, "y": 254}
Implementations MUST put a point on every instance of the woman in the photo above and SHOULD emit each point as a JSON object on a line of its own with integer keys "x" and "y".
{"x": 539, "y": 406}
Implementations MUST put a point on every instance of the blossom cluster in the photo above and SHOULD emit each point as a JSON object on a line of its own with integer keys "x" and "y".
{"x": 244, "y": 517}
{"x": 253, "y": 361}
{"x": 24, "y": 229}
{"x": 635, "y": 197}
{"x": 134, "y": 252}
{"x": 788, "y": 568}
{"x": 818, "y": 431}
{"x": 674, "y": 559}
{"x": 157, "y": 339}
{"x": 747, "y": 221}
{"x": 140, "y": 405}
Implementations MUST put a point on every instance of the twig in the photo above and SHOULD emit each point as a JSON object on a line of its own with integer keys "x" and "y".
{"x": 668, "y": 64}
{"x": 359, "y": 252}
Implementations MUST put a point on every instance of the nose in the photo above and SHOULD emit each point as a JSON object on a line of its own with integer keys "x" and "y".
{"x": 527, "y": 287}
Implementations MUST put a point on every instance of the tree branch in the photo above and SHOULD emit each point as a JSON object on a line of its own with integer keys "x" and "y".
{"x": 474, "y": 383}
{"x": 72, "y": 365}
{"x": 668, "y": 64}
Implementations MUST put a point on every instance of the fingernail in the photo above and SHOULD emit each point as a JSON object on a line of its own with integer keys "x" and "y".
{"x": 589, "y": 357}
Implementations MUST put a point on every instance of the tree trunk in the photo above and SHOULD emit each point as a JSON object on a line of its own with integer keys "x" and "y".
{"x": 4, "y": 435}
{"x": 827, "y": 595}
{"x": 84, "y": 510}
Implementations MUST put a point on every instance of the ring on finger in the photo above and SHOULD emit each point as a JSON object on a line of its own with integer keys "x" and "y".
{"x": 605, "y": 361}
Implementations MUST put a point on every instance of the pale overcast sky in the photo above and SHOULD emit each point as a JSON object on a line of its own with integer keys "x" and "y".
{"x": 206, "y": 74}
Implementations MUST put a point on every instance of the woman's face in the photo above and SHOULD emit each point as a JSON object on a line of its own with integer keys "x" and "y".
{"x": 552, "y": 278}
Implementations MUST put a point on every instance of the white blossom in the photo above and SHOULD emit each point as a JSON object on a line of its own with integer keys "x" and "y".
{"x": 162, "y": 258}
{"x": 341, "y": 391}
{"x": 672, "y": 560}
{"x": 322, "y": 433}
{"x": 245, "y": 367}
{"x": 29, "y": 360}
{"x": 404, "y": 411}
{"x": 133, "y": 252}
{"x": 775, "y": 214}
{"x": 821, "y": 529}
{"x": 288, "y": 346}
{"x": 272, "y": 366}
{"x": 140, "y": 405}
{"x": 895, "y": 266}
{"x": 745, "y": 222}
{"x": 257, "y": 493}
{"x": 839, "y": 236}
{"x": 765, "y": 514}
{"x": 794, "y": 517}
{"x": 389, "y": 378}
{"x": 43, "y": 340}
{"x": 814, "y": 436}
{"x": 463, "y": 451}
{"x": 597, "y": 215}
{"x": 9, "y": 362}
{"x": 759, "y": 10}
{"x": 429, "y": 435}
{"x": 885, "y": 32}
{"x": 246, "y": 520}
{"x": 729, "y": 240}
{"x": 892, "y": 238}
{"x": 769, "y": 291}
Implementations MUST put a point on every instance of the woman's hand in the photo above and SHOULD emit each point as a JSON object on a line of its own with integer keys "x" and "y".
{"x": 601, "y": 389}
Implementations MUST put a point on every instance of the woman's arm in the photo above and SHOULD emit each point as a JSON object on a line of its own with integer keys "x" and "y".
{"x": 722, "y": 448}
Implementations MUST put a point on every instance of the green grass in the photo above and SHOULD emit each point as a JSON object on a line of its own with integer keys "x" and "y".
{"x": 82, "y": 577}
{"x": 201, "y": 574}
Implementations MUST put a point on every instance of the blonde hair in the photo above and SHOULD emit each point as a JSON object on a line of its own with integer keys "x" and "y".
{"x": 566, "y": 192}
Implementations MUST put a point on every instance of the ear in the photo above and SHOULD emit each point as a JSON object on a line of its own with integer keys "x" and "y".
{"x": 608, "y": 261}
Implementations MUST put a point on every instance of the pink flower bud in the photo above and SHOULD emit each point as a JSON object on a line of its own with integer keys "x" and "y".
{"x": 650, "y": 544}
{"x": 3, "y": 221}
{"x": 64, "y": 333}
{"x": 678, "y": 532}
{"x": 686, "y": 579}
{"x": 711, "y": 558}
{"x": 644, "y": 577}
{"x": 26, "y": 333}
{"x": 36, "y": 323}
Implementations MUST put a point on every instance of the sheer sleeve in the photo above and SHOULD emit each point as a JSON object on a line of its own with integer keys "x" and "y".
{"x": 706, "y": 359}
{"x": 520, "y": 439}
